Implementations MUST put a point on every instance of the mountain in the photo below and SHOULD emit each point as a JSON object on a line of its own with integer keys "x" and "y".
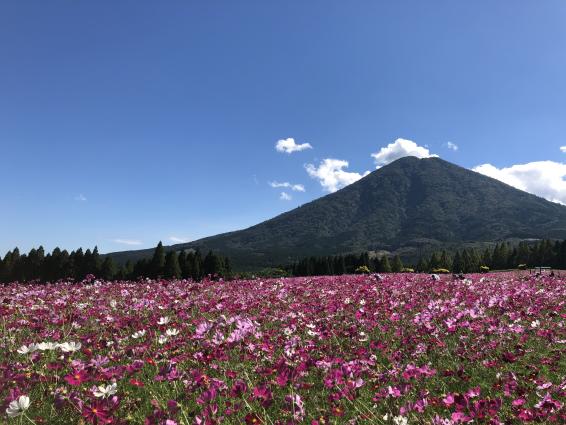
{"x": 406, "y": 207}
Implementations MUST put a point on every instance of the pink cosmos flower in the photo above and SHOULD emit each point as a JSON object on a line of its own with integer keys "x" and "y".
{"x": 77, "y": 377}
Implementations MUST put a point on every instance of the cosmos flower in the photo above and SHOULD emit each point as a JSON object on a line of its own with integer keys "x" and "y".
{"x": 400, "y": 420}
{"x": 18, "y": 407}
{"x": 47, "y": 346}
{"x": 163, "y": 320}
{"x": 27, "y": 349}
{"x": 77, "y": 378}
{"x": 172, "y": 332}
{"x": 139, "y": 334}
{"x": 70, "y": 347}
{"x": 104, "y": 391}
{"x": 96, "y": 413}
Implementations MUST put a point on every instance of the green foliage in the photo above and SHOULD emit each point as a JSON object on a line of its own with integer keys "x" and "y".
{"x": 397, "y": 265}
{"x": 156, "y": 268}
{"x": 384, "y": 265}
{"x": 362, "y": 270}
{"x": 272, "y": 273}
{"x": 407, "y": 270}
{"x": 484, "y": 269}
{"x": 77, "y": 265}
{"x": 172, "y": 269}
{"x": 441, "y": 271}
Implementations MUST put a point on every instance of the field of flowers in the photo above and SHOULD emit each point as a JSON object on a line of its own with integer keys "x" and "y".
{"x": 322, "y": 350}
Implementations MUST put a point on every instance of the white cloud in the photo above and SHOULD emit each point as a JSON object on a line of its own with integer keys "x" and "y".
{"x": 294, "y": 187}
{"x": 563, "y": 149}
{"x": 80, "y": 198}
{"x": 177, "y": 239}
{"x": 289, "y": 146}
{"x": 398, "y": 149}
{"x": 285, "y": 196}
{"x": 543, "y": 178}
{"x": 331, "y": 175}
{"x": 452, "y": 146}
{"x": 127, "y": 242}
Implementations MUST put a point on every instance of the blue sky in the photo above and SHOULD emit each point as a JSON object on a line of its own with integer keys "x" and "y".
{"x": 138, "y": 121}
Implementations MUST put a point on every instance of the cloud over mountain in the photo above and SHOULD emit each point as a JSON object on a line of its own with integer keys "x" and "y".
{"x": 399, "y": 149}
{"x": 331, "y": 175}
{"x": 543, "y": 178}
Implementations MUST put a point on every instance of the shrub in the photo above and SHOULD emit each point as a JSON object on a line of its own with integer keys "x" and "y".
{"x": 272, "y": 272}
{"x": 362, "y": 270}
{"x": 441, "y": 271}
{"x": 522, "y": 267}
{"x": 407, "y": 270}
{"x": 484, "y": 269}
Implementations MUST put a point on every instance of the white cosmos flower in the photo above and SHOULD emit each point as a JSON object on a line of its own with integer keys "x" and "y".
{"x": 138, "y": 334}
{"x": 46, "y": 346}
{"x": 162, "y": 339}
{"x": 27, "y": 349}
{"x": 535, "y": 323}
{"x": 70, "y": 347}
{"x": 172, "y": 332}
{"x": 17, "y": 407}
{"x": 400, "y": 420}
{"x": 103, "y": 391}
{"x": 163, "y": 320}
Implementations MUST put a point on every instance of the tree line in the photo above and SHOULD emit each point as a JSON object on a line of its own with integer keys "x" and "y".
{"x": 345, "y": 264}
{"x": 77, "y": 265}
{"x": 502, "y": 256}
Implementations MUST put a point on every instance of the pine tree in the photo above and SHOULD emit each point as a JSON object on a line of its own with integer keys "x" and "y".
{"x": 108, "y": 269}
{"x": 397, "y": 265}
{"x": 457, "y": 266}
{"x": 158, "y": 261}
{"x": 182, "y": 259}
{"x": 339, "y": 265}
{"x": 421, "y": 265}
{"x": 172, "y": 270}
{"x": 444, "y": 260}
{"x": 486, "y": 258}
{"x": 434, "y": 262}
{"x": 385, "y": 266}
{"x": 197, "y": 266}
{"x": 227, "y": 268}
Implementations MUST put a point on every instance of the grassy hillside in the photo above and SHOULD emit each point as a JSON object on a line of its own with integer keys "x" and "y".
{"x": 406, "y": 206}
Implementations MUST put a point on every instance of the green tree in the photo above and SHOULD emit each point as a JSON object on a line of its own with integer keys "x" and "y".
{"x": 158, "y": 261}
{"x": 397, "y": 265}
{"x": 172, "y": 270}
{"x": 108, "y": 269}
{"x": 385, "y": 267}
{"x": 457, "y": 265}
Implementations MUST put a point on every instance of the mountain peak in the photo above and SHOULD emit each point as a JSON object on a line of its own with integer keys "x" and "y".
{"x": 400, "y": 206}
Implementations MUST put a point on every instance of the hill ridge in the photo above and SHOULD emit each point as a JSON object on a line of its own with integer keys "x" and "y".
{"x": 404, "y": 206}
